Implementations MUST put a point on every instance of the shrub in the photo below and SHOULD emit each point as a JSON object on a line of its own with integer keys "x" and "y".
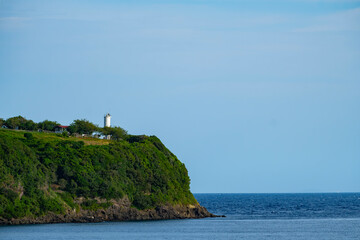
{"x": 28, "y": 136}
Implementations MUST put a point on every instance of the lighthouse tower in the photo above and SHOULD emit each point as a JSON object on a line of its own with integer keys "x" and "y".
{"x": 107, "y": 119}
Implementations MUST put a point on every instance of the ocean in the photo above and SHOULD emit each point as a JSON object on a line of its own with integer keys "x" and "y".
{"x": 248, "y": 216}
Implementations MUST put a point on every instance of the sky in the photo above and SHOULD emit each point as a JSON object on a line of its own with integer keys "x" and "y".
{"x": 254, "y": 96}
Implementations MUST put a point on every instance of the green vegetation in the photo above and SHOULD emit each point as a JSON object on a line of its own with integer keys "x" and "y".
{"x": 48, "y": 172}
{"x": 20, "y": 123}
{"x": 47, "y": 125}
{"x": 82, "y": 126}
{"x": 116, "y": 133}
{"x": 79, "y": 126}
{"x": 94, "y": 205}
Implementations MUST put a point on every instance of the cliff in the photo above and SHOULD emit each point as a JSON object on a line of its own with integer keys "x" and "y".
{"x": 47, "y": 178}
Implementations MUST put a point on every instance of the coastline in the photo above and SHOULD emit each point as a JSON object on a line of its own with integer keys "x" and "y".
{"x": 121, "y": 210}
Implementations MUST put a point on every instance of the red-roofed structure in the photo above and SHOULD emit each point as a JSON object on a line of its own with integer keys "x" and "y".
{"x": 60, "y": 128}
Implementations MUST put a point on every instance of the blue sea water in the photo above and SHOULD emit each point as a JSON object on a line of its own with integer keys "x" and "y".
{"x": 249, "y": 216}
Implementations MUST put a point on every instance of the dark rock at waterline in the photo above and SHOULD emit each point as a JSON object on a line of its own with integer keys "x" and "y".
{"x": 121, "y": 210}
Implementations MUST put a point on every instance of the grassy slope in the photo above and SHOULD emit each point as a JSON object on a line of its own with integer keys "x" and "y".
{"x": 47, "y": 173}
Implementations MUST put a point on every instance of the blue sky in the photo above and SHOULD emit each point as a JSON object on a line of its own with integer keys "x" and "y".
{"x": 253, "y": 96}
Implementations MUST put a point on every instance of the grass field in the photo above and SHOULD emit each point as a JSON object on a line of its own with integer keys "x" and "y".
{"x": 19, "y": 134}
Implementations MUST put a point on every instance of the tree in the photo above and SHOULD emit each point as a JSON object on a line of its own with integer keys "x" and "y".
{"x": 20, "y": 122}
{"x": 82, "y": 126}
{"x": 48, "y": 125}
{"x": 115, "y": 132}
{"x": 15, "y": 122}
{"x": 2, "y": 121}
{"x": 30, "y": 125}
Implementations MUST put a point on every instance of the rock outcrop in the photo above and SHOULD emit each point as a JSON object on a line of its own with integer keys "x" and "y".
{"x": 120, "y": 210}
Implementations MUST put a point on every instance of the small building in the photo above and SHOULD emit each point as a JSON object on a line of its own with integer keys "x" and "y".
{"x": 107, "y": 119}
{"x": 61, "y": 129}
{"x": 107, "y": 123}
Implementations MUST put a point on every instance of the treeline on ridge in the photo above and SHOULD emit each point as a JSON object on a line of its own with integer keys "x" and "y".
{"x": 80, "y": 126}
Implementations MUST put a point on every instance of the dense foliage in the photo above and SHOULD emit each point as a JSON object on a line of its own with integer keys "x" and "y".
{"x": 47, "y": 125}
{"x": 45, "y": 172}
{"x": 82, "y": 126}
{"x": 116, "y": 133}
{"x": 20, "y": 122}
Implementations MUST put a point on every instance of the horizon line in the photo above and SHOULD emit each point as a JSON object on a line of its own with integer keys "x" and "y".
{"x": 272, "y": 192}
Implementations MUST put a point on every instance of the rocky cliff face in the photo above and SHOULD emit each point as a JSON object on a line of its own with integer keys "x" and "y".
{"x": 120, "y": 210}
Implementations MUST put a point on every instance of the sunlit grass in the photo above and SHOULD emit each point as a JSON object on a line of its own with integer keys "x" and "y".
{"x": 49, "y": 136}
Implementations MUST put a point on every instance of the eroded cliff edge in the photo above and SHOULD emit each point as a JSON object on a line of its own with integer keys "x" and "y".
{"x": 48, "y": 178}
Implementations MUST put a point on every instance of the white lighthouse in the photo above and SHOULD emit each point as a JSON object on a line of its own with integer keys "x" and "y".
{"x": 107, "y": 119}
